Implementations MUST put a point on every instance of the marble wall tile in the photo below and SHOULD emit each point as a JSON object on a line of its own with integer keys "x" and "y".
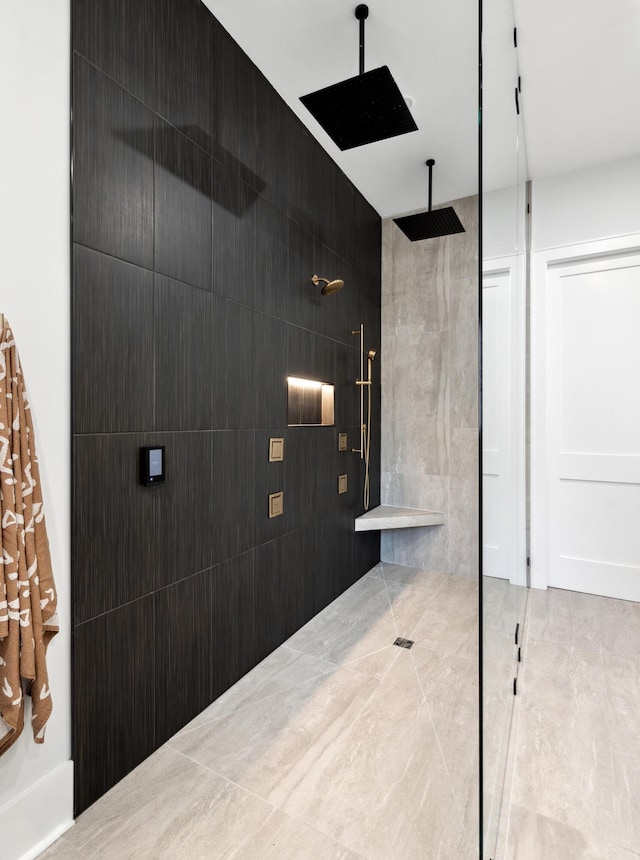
{"x": 464, "y": 452}
{"x": 431, "y": 579}
{"x": 463, "y": 332}
{"x": 415, "y": 401}
{"x": 430, "y": 492}
{"x": 414, "y": 260}
{"x": 462, "y": 249}
{"x": 428, "y": 547}
{"x": 430, "y": 390}
{"x": 413, "y": 277}
{"x": 464, "y": 527}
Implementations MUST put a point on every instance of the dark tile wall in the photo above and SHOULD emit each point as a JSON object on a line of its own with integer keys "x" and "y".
{"x": 201, "y": 209}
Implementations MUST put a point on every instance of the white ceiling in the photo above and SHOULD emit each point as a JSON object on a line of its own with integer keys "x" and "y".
{"x": 579, "y": 61}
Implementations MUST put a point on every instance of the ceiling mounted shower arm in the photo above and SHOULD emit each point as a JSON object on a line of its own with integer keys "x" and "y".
{"x": 430, "y": 162}
{"x": 362, "y": 13}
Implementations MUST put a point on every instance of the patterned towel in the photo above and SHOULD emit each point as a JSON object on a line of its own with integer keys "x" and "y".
{"x": 28, "y": 617}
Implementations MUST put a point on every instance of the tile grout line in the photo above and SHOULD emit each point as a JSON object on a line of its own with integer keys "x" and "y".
{"x": 435, "y": 732}
{"x": 186, "y": 731}
{"x": 227, "y": 779}
{"x": 273, "y": 806}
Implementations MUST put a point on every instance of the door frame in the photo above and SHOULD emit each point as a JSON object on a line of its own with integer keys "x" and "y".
{"x": 515, "y": 518}
{"x": 542, "y": 347}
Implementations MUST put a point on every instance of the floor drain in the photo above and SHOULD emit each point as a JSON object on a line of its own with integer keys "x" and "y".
{"x": 403, "y": 643}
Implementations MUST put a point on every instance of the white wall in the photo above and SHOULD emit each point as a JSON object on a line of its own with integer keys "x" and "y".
{"x": 587, "y": 205}
{"x": 599, "y": 206}
{"x": 36, "y": 781}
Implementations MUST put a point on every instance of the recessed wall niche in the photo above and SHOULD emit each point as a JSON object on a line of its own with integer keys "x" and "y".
{"x": 310, "y": 402}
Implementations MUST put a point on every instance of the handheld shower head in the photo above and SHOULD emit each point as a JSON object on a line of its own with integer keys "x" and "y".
{"x": 329, "y": 286}
{"x": 371, "y": 354}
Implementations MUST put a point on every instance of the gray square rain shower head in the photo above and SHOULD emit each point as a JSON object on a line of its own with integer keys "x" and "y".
{"x": 362, "y": 109}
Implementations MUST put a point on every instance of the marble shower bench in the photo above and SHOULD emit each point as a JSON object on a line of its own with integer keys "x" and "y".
{"x": 391, "y": 517}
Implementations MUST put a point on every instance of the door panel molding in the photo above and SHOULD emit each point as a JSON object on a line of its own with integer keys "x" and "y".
{"x": 549, "y": 464}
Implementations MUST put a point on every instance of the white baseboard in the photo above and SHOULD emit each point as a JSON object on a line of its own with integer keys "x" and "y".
{"x": 38, "y": 816}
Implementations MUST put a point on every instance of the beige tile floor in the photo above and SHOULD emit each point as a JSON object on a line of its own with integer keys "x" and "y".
{"x": 576, "y": 775}
{"x": 339, "y": 745}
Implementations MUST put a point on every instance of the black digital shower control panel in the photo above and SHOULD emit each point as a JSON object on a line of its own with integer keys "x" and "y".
{"x": 152, "y": 465}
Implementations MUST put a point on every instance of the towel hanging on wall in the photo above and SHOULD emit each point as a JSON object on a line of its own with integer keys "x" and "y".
{"x": 28, "y": 619}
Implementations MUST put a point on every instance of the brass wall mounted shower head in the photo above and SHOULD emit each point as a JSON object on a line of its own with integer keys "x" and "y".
{"x": 329, "y": 286}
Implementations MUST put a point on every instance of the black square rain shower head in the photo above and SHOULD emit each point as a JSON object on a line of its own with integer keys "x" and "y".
{"x": 431, "y": 224}
{"x": 362, "y": 109}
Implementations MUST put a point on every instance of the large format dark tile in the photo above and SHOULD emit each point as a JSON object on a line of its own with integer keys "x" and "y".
{"x": 113, "y": 168}
{"x": 270, "y": 371}
{"x": 334, "y": 314}
{"x": 184, "y": 505}
{"x": 231, "y": 346}
{"x": 113, "y": 704}
{"x": 346, "y": 235}
{"x": 232, "y": 525}
{"x": 273, "y": 163}
{"x": 365, "y": 250}
{"x": 233, "y": 222}
{"x": 347, "y": 394}
{"x": 116, "y": 36}
{"x": 184, "y": 376}
{"x": 112, "y": 344}
{"x": 310, "y": 355}
{"x": 303, "y": 298}
{"x": 232, "y": 599}
{"x": 270, "y": 478}
{"x": 113, "y": 524}
{"x": 325, "y": 221}
{"x": 312, "y": 479}
{"x": 301, "y": 153}
{"x": 333, "y": 568}
{"x": 184, "y": 653}
{"x": 283, "y": 594}
{"x": 182, "y": 208}
{"x": 234, "y": 108}
{"x": 184, "y": 55}
{"x": 270, "y": 259}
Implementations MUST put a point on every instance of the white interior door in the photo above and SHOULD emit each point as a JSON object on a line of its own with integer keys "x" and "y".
{"x": 593, "y": 424}
{"x": 503, "y": 540}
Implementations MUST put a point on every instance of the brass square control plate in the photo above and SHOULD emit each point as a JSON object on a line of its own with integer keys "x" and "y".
{"x": 276, "y": 450}
{"x": 342, "y": 442}
{"x": 342, "y": 483}
{"x": 276, "y": 505}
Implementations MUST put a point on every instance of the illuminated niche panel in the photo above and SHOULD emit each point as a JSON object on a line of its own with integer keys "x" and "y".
{"x": 310, "y": 403}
